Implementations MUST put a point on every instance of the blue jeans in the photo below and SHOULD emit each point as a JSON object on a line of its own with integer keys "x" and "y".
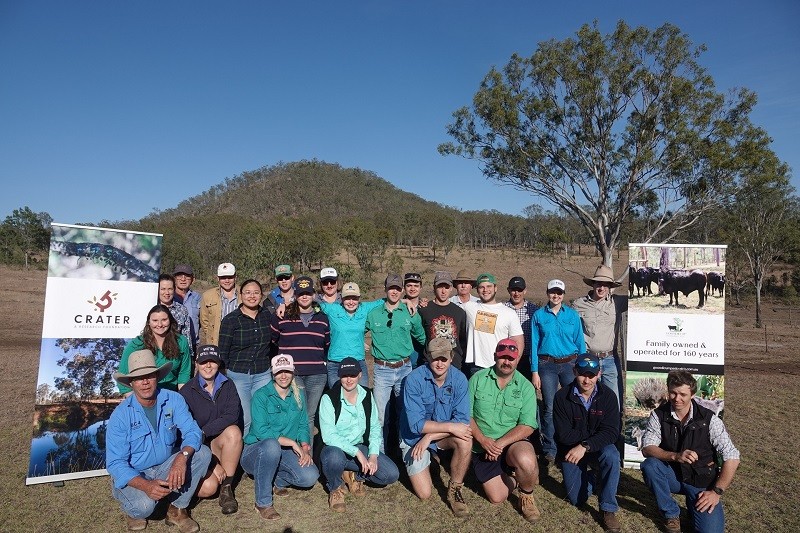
{"x": 136, "y": 504}
{"x": 388, "y": 382}
{"x": 246, "y": 386}
{"x": 334, "y": 462}
{"x": 578, "y": 484}
{"x": 312, "y": 387}
{"x": 333, "y": 373}
{"x": 610, "y": 375}
{"x": 660, "y": 478}
{"x": 551, "y": 375}
{"x": 270, "y": 463}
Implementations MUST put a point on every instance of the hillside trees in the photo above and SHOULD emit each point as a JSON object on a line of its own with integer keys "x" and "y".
{"x": 22, "y": 234}
{"x": 608, "y": 127}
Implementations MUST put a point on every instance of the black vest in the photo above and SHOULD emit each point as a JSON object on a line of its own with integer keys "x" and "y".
{"x": 335, "y": 394}
{"x": 694, "y": 436}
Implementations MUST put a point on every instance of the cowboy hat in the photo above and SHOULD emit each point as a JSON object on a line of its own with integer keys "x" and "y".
{"x": 142, "y": 363}
{"x": 603, "y": 274}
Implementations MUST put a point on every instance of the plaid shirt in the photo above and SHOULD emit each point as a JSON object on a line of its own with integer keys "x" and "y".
{"x": 525, "y": 313}
{"x": 244, "y": 342}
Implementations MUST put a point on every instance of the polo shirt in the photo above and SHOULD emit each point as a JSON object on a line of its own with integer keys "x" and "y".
{"x": 424, "y": 400}
{"x": 393, "y": 342}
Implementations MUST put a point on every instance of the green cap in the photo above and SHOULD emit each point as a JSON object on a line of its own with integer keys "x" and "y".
{"x": 283, "y": 270}
{"x": 486, "y": 277}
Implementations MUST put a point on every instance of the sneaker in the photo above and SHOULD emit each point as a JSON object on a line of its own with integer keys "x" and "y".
{"x": 355, "y": 486}
{"x": 227, "y": 500}
{"x": 280, "y": 491}
{"x": 673, "y": 525}
{"x": 336, "y": 500}
{"x": 611, "y": 523}
{"x": 528, "y": 508}
{"x": 456, "y": 500}
{"x": 181, "y": 518}
{"x": 135, "y": 524}
{"x": 268, "y": 513}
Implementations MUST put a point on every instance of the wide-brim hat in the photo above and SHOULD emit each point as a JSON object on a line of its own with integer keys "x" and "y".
{"x": 464, "y": 276}
{"x": 142, "y": 363}
{"x": 603, "y": 274}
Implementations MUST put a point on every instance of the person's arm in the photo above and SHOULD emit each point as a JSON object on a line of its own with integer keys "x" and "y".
{"x": 375, "y": 430}
{"x": 578, "y": 337}
{"x": 565, "y": 434}
{"x": 534, "y": 355}
{"x": 520, "y": 340}
{"x": 417, "y": 331}
{"x": 708, "y": 499}
{"x": 185, "y": 371}
{"x": 275, "y": 331}
{"x": 228, "y": 409}
{"x": 227, "y": 330}
{"x": 327, "y": 427}
{"x": 608, "y": 429}
{"x": 205, "y": 317}
{"x": 118, "y": 451}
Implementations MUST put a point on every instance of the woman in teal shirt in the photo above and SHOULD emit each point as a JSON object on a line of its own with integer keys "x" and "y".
{"x": 160, "y": 336}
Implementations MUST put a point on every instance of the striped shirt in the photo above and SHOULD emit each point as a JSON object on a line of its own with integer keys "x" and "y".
{"x": 306, "y": 343}
{"x": 717, "y": 434}
{"x": 229, "y": 306}
{"x": 525, "y": 313}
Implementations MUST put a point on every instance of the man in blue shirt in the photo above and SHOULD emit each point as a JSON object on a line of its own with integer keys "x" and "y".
{"x": 184, "y": 277}
{"x": 146, "y": 460}
{"x": 556, "y": 340}
{"x": 436, "y": 417}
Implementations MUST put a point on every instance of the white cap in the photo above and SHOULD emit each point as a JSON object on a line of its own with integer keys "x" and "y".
{"x": 328, "y": 273}
{"x": 226, "y": 269}
{"x": 556, "y": 284}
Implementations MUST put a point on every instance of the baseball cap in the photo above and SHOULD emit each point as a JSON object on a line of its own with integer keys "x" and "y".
{"x": 283, "y": 270}
{"x": 442, "y": 277}
{"x": 412, "y": 276}
{"x": 486, "y": 277}
{"x": 517, "y": 282}
{"x": 304, "y": 285}
{"x": 506, "y": 348}
{"x": 393, "y": 280}
{"x": 587, "y": 364}
{"x": 440, "y": 347}
{"x": 350, "y": 289}
{"x": 328, "y": 273}
{"x": 208, "y": 352}
{"x": 556, "y": 284}
{"x": 349, "y": 367}
{"x": 282, "y": 362}
{"x": 226, "y": 269}
{"x": 183, "y": 269}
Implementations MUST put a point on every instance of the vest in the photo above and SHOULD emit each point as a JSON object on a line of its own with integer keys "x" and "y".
{"x": 694, "y": 436}
{"x": 335, "y": 395}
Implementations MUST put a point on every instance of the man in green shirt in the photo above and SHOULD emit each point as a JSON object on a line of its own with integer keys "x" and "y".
{"x": 392, "y": 326}
{"x": 503, "y": 417}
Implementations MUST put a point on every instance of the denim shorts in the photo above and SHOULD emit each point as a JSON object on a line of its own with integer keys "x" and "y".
{"x": 414, "y": 467}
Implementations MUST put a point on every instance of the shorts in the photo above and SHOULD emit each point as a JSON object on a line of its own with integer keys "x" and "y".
{"x": 414, "y": 467}
{"x": 486, "y": 469}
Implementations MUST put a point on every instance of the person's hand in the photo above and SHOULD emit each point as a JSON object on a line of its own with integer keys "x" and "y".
{"x": 304, "y": 459}
{"x": 219, "y": 473}
{"x": 280, "y": 310}
{"x": 419, "y": 448}
{"x": 575, "y": 454}
{"x": 176, "y": 476}
{"x": 461, "y": 431}
{"x": 707, "y": 501}
{"x": 157, "y": 489}
{"x": 492, "y": 449}
{"x": 536, "y": 381}
{"x": 363, "y": 461}
{"x": 372, "y": 465}
{"x": 686, "y": 456}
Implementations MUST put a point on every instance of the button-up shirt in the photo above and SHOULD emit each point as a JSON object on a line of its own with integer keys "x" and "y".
{"x": 244, "y": 342}
{"x": 273, "y": 416}
{"x": 348, "y": 431}
{"x": 556, "y": 335}
{"x": 392, "y": 342}
{"x": 424, "y": 400}
{"x": 525, "y": 313}
{"x": 347, "y": 330}
{"x": 599, "y": 319}
{"x": 192, "y": 303}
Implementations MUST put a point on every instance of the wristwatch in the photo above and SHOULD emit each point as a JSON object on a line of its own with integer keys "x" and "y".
{"x": 718, "y": 490}
{"x": 185, "y": 453}
{"x": 586, "y": 445}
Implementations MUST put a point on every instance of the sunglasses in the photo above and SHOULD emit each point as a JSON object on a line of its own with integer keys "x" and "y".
{"x": 506, "y": 348}
{"x": 556, "y": 291}
{"x": 283, "y": 278}
{"x": 328, "y": 282}
{"x": 587, "y": 364}
{"x": 389, "y": 323}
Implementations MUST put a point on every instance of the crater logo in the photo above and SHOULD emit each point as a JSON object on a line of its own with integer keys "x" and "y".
{"x": 104, "y": 302}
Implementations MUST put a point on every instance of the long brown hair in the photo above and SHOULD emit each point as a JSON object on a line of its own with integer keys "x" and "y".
{"x": 170, "y": 348}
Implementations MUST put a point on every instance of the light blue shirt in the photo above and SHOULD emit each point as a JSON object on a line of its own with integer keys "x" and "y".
{"x": 424, "y": 400}
{"x": 347, "y": 331}
{"x": 556, "y": 335}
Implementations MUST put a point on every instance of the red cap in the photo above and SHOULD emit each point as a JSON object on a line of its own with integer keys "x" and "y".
{"x": 506, "y": 348}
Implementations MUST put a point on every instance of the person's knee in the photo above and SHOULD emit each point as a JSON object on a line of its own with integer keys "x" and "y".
{"x": 609, "y": 455}
{"x": 423, "y": 491}
{"x": 208, "y": 487}
{"x": 231, "y": 435}
{"x": 139, "y": 506}
{"x": 308, "y": 476}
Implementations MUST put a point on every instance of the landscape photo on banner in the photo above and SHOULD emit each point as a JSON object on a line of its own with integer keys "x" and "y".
{"x": 100, "y": 285}
{"x": 676, "y": 320}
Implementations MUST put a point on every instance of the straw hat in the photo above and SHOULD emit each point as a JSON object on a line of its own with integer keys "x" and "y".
{"x": 603, "y": 274}
{"x": 142, "y": 363}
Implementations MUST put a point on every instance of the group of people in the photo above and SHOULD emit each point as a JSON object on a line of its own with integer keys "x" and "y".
{"x": 462, "y": 372}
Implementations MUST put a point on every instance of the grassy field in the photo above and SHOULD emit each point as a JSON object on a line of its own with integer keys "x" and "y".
{"x": 759, "y": 401}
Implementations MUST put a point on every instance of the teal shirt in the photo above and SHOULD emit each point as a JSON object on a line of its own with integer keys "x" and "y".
{"x": 181, "y": 371}
{"x": 394, "y": 343}
{"x": 347, "y": 331}
{"x": 273, "y": 416}
{"x": 347, "y": 432}
{"x": 497, "y": 411}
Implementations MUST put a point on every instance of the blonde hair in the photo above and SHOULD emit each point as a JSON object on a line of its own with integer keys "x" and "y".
{"x": 296, "y": 393}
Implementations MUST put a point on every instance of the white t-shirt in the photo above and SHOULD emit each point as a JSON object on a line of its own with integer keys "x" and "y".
{"x": 488, "y": 324}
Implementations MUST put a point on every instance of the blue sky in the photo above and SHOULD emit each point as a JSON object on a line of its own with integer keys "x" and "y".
{"x": 111, "y": 109}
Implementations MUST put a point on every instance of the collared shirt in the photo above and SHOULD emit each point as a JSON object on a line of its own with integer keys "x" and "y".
{"x": 244, "y": 342}
{"x": 456, "y": 300}
{"x": 347, "y": 432}
{"x": 586, "y": 403}
{"x": 229, "y": 305}
{"x": 556, "y": 335}
{"x": 132, "y": 445}
{"x": 525, "y": 313}
{"x": 273, "y": 416}
{"x": 392, "y": 342}
{"x": 192, "y": 303}
{"x": 181, "y": 315}
{"x": 717, "y": 433}
{"x": 424, "y": 400}
{"x": 347, "y": 331}
{"x": 599, "y": 319}
{"x": 181, "y": 371}
{"x": 219, "y": 379}
{"x": 497, "y": 411}
{"x": 318, "y": 298}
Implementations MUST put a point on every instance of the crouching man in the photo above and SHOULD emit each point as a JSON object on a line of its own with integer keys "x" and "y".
{"x": 146, "y": 460}
{"x": 681, "y": 445}
{"x": 436, "y": 417}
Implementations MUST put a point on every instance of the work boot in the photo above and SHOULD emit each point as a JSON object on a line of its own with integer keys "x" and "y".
{"x": 181, "y": 518}
{"x": 355, "y": 486}
{"x": 135, "y": 524}
{"x": 226, "y": 498}
{"x": 456, "y": 500}
{"x": 336, "y": 500}
{"x": 673, "y": 525}
{"x": 268, "y": 513}
{"x": 528, "y": 508}
{"x": 611, "y": 523}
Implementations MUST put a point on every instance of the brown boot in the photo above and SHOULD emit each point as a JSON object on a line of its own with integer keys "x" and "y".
{"x": 268, "y": 513}
{"x": 226, "y": 498}
{"x": 336, "y": 500}
{"x": 528, "y": 508}
{"x": 611, "y": 522}
{"x": 673, "y": 525}
{"x": 181, "y": 518}
{"x": 135, "y": 524}
{"x": 355, "y": 486}
{"x": 456, "y": 499}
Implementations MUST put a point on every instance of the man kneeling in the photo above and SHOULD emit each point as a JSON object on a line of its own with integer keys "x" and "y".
{"x": 146, "y": 460}
{"x": 503, "y": 411}
{"x": 352, "y": 433}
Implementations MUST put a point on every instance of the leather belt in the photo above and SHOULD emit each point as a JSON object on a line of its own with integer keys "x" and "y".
{"x": 565, "y": 359}
{"x": 602, "y": 355}
{"x": 387, "y": 364}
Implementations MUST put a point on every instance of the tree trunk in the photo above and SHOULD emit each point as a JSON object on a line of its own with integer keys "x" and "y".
{"x": 758, "y": 302}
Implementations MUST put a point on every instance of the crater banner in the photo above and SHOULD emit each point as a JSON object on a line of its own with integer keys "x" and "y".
{"x": 101, "y": 283}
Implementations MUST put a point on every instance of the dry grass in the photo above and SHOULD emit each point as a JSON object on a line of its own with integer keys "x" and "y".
{"x": 760, "y": 398}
